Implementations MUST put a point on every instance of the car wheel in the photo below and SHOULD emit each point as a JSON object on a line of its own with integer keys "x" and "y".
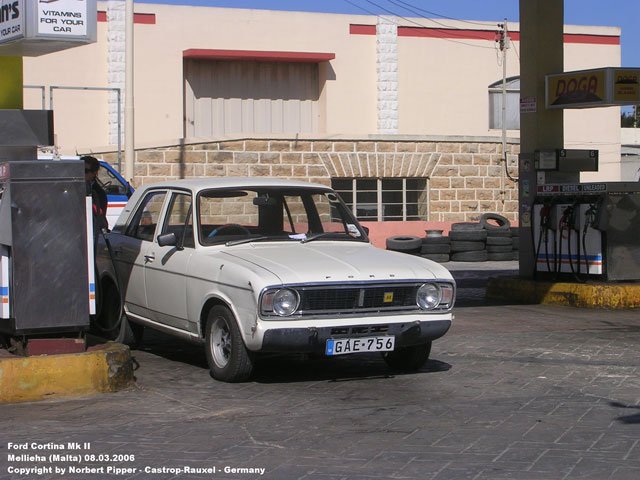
{"x": 228, "y": 358}
{"x": 112, "y": 323}
{"x": 408, "y": 359}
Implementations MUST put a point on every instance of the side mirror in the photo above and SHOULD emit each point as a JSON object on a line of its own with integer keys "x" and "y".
{"x": 168, "y": 240}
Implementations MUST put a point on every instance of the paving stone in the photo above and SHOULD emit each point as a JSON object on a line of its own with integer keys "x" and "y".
{"x": 512, "y": 392}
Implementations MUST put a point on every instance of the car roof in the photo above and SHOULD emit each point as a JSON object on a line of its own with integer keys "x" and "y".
{"x": 198, "y": 184}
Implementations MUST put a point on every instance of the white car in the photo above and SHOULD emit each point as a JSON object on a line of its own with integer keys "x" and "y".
{"x": 255, "y": 265}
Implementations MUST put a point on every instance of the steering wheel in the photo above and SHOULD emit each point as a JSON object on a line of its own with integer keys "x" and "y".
{"x": 217, "y": 231}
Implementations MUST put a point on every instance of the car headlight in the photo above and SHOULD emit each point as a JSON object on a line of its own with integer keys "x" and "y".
{"x": 282, "y": 302}
{"x": 428, "y": 296}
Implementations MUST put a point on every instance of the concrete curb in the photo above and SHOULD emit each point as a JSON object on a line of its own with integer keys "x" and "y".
{"x": 107, "y": 368}
{"x": 582, "y": 295}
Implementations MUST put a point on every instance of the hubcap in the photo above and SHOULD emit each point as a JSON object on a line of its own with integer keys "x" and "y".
{"x": 220, "y": 342}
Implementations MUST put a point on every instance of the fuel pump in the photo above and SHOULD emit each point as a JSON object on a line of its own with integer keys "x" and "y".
{"x": 544, "y": 231}
{"x": 567, "y": 238}
{"x": 591, "y": 238}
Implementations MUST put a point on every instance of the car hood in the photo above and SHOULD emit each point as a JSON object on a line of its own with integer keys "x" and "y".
{"x": 322, "y": 261}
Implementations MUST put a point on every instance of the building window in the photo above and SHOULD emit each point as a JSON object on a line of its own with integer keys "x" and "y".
{"x": 384, "y": 199}
{"x": 513, "y": 104}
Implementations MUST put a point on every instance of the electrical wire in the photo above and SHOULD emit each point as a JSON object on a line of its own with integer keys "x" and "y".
{"x": 424, "y": 26}
{"x": 444, "y": 16}
{"x": 417, "y": 14}
{"x": 413, "y": 22}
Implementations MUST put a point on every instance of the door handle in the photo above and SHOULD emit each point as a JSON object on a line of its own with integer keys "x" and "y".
{"x": 149, "y": 258}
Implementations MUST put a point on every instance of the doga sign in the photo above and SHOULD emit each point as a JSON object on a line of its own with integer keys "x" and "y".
{"x": 601, "y": 87}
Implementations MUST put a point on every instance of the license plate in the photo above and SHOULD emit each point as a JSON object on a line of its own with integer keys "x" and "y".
{"x": 341, "y": 346}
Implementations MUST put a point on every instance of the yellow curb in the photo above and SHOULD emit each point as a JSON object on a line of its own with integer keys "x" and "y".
{"x": 26, "y": 379}
{"x": 583, "y": 295}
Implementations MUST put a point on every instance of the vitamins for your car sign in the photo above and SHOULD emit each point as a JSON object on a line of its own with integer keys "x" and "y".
{"x": 62, "y": 17}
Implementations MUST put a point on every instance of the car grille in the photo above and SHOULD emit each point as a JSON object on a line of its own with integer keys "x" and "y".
{"x": 357, "y": 299}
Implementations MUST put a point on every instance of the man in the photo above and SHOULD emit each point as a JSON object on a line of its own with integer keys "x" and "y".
{"x": 98, "y": 195}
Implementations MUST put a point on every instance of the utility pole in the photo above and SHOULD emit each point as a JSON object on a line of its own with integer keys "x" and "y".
{"x": 503, "y": 42}
{"x": 129, "y": 136}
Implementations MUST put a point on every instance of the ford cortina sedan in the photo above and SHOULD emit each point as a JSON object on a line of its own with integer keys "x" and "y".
{"x": 247, "y": 266}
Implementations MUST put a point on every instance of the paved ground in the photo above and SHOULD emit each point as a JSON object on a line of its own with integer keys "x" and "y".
{"x": 511, "y": 392}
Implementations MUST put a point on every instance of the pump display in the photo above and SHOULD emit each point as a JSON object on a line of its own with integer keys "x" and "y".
{"x": 587, "y": 230}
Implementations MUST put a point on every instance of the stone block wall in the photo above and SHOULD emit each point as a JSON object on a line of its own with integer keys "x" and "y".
{"x": 465, "y": 178}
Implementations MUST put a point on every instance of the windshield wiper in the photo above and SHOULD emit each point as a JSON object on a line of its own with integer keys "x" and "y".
{"x": 336, "y": 235}
{"x": 240, "y": 241}
{"x": 231, "y": 243}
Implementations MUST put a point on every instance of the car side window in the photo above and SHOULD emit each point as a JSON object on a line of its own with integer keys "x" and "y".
{"x": 178, "y": 219}
{"x": 145, "y": 220}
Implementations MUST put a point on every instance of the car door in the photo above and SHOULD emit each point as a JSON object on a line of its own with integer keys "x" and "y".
{"x": 131, "y": 252}
{"x": 166, "y": 267}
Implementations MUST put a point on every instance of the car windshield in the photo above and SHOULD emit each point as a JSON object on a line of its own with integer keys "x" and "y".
{"x": 236, "y": 216}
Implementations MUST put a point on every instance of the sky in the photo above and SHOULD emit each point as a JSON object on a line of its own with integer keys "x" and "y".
{"x": 611, "y": 13}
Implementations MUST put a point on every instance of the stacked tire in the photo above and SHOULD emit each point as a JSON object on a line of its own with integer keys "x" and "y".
{"x": 405, "y": 244}
{"x": 499, "y": 242}
{"x": 436, "y": 248}
{"x": 515, "y": 243}
{"x": 468, "y": 242}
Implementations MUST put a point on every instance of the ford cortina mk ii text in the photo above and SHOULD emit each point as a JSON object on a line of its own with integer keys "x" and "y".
{"x": 248, "y": 266}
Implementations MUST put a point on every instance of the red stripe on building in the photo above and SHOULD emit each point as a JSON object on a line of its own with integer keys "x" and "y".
{"x": 592, "y": 39}
{"x": 142, "y": 18}
{"x": 355, "y": 29}
{"x": 446, "y": 33}
{"x": 468, "y": 34}
{"x": 260, "y": 56}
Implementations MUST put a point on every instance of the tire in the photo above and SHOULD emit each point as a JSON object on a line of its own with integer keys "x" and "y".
{"x": 436, "y": 240}
{"x": 468, "y": 235}
{"x": 466, "y": 226}
{"x": 499, "y": 241}
{"x": 437, "y": 257}
{"x": 228, "y": 358}
{"x": 437, "y": 248}
{"x": 477, "y": 256}
{"x": 499, "y": 248}
{"x": 515, "y": 231}
{"x": 515, "y": 243}
{"x": 408, "y": 359}
{"x": 515, "y": 255}
{"x": 500, "y": 256}
{"x": 459, "y": 246}
{"x": 111, "y": 323}
{"x": 502, "y": 222}
{"x": 496, "y": 232}
{"x": 404, "y": 243}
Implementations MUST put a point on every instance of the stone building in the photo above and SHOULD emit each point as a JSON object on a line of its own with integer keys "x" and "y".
{"x": 399, "y": 115}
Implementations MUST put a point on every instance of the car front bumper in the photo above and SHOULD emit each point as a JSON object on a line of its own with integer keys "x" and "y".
{"x": 312, "y": 339}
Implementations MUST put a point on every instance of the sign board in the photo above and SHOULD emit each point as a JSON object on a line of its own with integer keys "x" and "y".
{"x": 626, "y": 87}
{"x": 565, "y": 160}
{"x": 37, "y": 27}
{"x": 601, "y": 87}
{"x": 62, "y": 18}
{"x": 528, "y": 105}
{"x": 580, "y": 188}
{"x": 11, "y": 20}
